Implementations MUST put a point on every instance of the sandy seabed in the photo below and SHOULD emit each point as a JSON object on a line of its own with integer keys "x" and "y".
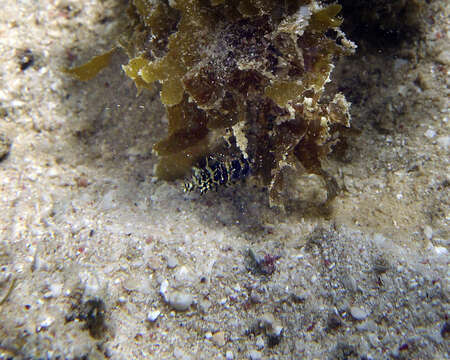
{"x": 99, "y": 259}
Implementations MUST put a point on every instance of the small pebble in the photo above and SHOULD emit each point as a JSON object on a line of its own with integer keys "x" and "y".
{"x": 403, "y": 90}
{"x": 172, "y": 262}
{"x": 430, "y": 134}
{"x": 272, "y": 326}
{"x": 229, "y": 355}
{"x": 180, "y": 355}
{"x": 152, "y": 316}
{"x": 154, "y": 263}
{"x": 122, "y": 300}
{"x": 260, "y": 343}
{"x": 368, "y": 325}
{"x": 254, "y": 355}
{"x": 299, "y": 296}
{"x": 349, "y": 283}
{"x": 4, "y": 278}
{"x": 440, "y": 250}
{"x": 434, "y": 335}
{"x": 45, "y": 324}
{"x": 132, "y": 283}
{"x": 203, "y": 306}
{"x": 163, "y": 289}
{"x": 379, "y": 240}
{"x": 55, "y": 290}
{"x": 428, "y": 232}
{"x": 267, "y": 320}
{"x": 276, "y": 330}
{"x": 108, "y": 200}
{"x": 444, "y": 141}
{"x": 273, "y": 329}
{"x": 93, "y": 284}
{"x": 219, "y": 338}
{"x": 184, "y": 275}
{"x": 373, "y": 340}
{"x": 52, "y": 172}
{"x": 180, "y": 301}
{"x": 358, "y": 313}
{"x": 223, "y": 301}
{"x": 255, "y": 297}
{"x": 398, "y": 63}
{"x": 444, "y": 57}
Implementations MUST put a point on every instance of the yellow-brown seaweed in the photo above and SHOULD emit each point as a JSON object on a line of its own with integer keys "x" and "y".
{"x": 90, "y": 69}
{"x": 242, "y": 76}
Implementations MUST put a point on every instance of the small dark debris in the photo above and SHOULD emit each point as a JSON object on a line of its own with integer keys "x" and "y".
{"x": 25, "y": 59}
{"x": 5, "y": 146}
{"x": 3, "y": 112}
{"x": 257, "y": 329}
{"x": 92, "y": 312}
{"x": 311, "y": 327}
{"x": 68, "y": 11}
{"x": 82, "y": 181}
{"x": 59, "y": 160}
{"x": 445, "y": 331}
{"x": 380, "y": 265}
{"x": 298, "y": 298}
{"x": 273, "y": 340}
{"x": 262, "y": 265}
{"x": 318, "y": 237}
{"x": 333, "y": 322}
{"x": 445, "y": 184}
{"x": 382, "y": 23}
{"x": 254, "y": 330}
{"x": 343, "y": 351}
{"x": 106, "y": 19}
{"x": 140, "y": 177}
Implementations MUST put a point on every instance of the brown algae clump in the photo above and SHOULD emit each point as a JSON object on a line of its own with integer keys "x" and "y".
{"x": 240, "y": 79}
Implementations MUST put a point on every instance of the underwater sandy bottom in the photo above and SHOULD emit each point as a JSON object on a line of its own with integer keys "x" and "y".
{"x": 99, "y": 259}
